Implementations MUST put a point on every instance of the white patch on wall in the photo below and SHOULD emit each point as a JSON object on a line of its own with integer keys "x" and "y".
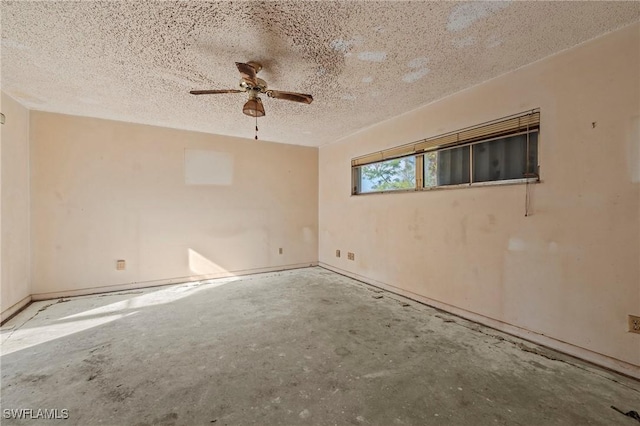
{"x": 372, "y": 56}
{"x": 205, "y": 167}
{"x": 465, "y": 14}
{"x": 415, "y": 75}
{"x": 516, "y": 244}
{"x": 367, "y": 79}
{"x": 348, "y": 97}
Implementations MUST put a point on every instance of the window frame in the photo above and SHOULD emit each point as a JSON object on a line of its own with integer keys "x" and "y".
{"x": 356, "y": 178}
{"x": 410, "y": 151}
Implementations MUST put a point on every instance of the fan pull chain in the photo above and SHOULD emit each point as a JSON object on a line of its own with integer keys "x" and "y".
{"x": 256, "y": 127}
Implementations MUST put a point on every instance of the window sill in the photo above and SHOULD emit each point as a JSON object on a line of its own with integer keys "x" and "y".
{"x": 462, "y": 185}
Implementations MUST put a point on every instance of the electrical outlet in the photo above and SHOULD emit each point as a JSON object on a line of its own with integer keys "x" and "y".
{"x": 280, "y": 250}
{"x": 337, "y": 253}
{"x": 634, "y": 324}
{"x": 120, "y": 264}
{"x": 351, "y": 256}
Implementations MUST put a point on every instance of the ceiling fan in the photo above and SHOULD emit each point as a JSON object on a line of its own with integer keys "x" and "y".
{"x": 254, "y": 86}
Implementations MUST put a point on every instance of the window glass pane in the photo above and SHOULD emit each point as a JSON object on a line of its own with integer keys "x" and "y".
{"x": 453, "y": 166}
{"x": 389, "y": 175}
{"x": 504, "y": 158}
{"x": 533, "y": 153}
{"x": 430, "y": 169}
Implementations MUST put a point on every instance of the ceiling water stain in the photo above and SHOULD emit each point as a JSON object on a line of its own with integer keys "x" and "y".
{"x": 372, "y": 56}
{"x": 418, "y": 62}
{"x": 464, "y": 42}
{"x": 344, "y": 46}
{"x": 415, "y": 75}
{"x": 465, "y": 14}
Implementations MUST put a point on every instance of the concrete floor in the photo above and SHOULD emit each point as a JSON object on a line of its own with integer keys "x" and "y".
{"x": 297, "y": 347}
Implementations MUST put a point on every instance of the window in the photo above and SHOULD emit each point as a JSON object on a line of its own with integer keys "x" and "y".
{"x": 502, "y": 150}
{"x": 391, "y": 175}
{"x": 453, "y": 166}
{"x": 512, "y": 157}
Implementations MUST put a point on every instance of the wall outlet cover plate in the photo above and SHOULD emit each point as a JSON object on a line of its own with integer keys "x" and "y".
{"x": 634, "y": 324}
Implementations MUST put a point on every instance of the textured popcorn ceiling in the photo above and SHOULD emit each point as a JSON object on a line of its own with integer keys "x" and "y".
{"x": 362, "y": 61}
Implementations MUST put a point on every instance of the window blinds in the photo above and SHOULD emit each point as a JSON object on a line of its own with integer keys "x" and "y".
{"x": 502, "y": 127}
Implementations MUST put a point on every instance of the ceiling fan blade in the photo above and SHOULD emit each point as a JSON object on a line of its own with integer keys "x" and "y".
{"x": 290, "y": 96}
{"x": 248, "y": 72}
{"x": 214, "y": 92}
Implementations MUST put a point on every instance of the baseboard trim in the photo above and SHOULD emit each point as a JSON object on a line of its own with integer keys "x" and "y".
{"x": 596, "y": 358}
{"x": 14, "y": 310}
{"x": 168, "y": 281}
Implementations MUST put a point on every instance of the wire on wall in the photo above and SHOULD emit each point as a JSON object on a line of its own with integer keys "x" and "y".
{"x": 527, "y": 198}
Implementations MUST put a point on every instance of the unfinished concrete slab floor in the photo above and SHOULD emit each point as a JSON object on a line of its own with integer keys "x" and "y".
{"x": 297, "y": 347}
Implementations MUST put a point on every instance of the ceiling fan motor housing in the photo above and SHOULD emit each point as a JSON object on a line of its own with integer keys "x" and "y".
{"x": 260, "y": 86}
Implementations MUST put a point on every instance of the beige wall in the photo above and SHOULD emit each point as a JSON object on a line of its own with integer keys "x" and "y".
{"x": 105, "y": 190}
{"x": 571, "y": 270}
{"x": 14, "y": 224}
